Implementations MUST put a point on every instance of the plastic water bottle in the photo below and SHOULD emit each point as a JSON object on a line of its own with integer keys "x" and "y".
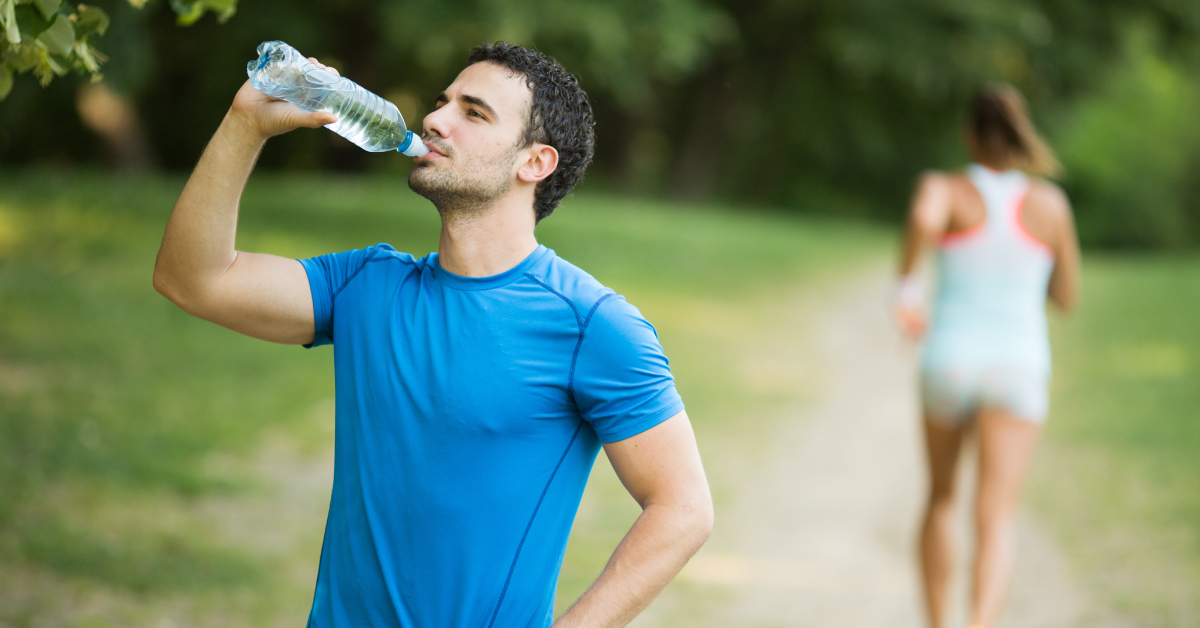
{"x": 362, "y": 117}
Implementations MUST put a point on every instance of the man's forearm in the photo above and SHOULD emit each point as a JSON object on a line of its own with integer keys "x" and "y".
{"x": 657, "y": 546}
{"x": 199, "y": 240}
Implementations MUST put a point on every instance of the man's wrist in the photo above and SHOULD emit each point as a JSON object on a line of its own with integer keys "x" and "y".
{"x": 243, "y": 129}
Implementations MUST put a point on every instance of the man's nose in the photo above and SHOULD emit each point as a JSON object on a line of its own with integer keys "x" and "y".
{"x": 437, "y": 122}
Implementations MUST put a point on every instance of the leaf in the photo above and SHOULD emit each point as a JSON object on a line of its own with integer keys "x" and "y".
{"x": 30, "y": 20}
{"x": 6, "y": 80}
{"x": 88, "y": 20}
{"x": 8, "y": 16}
{"x": 59, "y": 39}
{"x": 89, "y": 58}
{"x": 22, "y": 58}
{"x": 190, "y": 11}
{"x": 47, "y": 7}
{"x": 190, "y": 15}
{"x": 46, "y": 67}
{"x": 223, "y": 8}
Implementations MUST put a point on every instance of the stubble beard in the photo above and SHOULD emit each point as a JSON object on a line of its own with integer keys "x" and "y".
{"x": 455, "y": 192}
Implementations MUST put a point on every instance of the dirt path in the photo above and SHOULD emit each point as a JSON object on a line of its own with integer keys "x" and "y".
{"x": 821, "y": 530}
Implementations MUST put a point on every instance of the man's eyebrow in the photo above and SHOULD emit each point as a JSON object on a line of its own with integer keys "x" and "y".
{"x": 479, "y": 102}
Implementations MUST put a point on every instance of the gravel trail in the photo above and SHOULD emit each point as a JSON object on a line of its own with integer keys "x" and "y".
{"x": 821, "y": 531}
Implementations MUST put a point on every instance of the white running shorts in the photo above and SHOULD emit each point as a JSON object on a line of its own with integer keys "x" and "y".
{"x": 955, "y": 396}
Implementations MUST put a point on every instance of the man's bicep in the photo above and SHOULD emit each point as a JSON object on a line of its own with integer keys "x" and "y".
{"x": 622, "y": 381}
{"x": 661, "y": 464}
{"x": 264, "y": 296}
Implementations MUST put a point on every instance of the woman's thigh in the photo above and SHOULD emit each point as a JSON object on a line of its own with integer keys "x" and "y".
{"x": 1006, "y": 446}
{"x": 943, "y": 444}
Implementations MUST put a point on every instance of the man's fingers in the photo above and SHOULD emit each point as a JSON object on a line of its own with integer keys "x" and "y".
{"x": 319, "y": 119}
{"x": 327, "y": 68}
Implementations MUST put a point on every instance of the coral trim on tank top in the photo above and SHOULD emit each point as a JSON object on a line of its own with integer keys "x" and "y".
{"x": 1022, "y": 232}
{"x": 954, "y": 238}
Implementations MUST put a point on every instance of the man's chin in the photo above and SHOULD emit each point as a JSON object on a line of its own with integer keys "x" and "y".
{"x": 424, "y": 182}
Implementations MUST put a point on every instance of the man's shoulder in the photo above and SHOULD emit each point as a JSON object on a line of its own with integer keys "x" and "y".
{"x": 570, "y": 283}
{"x": 384, "y": 252}
{"x": 339, "y": 269}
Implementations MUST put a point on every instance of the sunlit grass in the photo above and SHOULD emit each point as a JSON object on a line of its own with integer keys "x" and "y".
{"x": 154, "y": 466}
{"x": 1120, "y": 473}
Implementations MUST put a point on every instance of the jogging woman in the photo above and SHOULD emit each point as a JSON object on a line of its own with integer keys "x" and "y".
{"x": 1005, "y": 241}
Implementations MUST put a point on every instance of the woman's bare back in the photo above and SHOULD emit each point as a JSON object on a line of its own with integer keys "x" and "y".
{"x": 949, "y": 203}
{"x": 1042, "y": 212}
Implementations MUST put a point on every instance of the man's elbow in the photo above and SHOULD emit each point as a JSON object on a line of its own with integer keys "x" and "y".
{"x": 167, "y": 286}
{"x": 176, "y": 291}
{"x": 699, "y": 519}
{"x": 162, "y": 284}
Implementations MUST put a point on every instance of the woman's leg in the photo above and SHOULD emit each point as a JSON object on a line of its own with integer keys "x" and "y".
{"x": 1006, "y": 447}
{"x": 937, "y": 541}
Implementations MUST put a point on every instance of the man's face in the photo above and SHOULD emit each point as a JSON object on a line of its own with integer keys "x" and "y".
{"x": 472, "y": 135}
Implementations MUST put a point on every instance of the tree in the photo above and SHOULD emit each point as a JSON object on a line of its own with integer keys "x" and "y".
{"x": 820, "y": 105}
{"x": 50, "y": 37}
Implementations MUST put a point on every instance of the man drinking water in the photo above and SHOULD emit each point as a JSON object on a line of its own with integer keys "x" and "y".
{"x": 474, "y": 385}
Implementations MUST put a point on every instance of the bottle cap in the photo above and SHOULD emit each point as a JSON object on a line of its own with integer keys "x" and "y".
{"x": 413, "y": 146}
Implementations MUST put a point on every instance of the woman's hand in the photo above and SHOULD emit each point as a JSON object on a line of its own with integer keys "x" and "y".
{"x": 913, "y": 322}
{"x": 909, "y": 301}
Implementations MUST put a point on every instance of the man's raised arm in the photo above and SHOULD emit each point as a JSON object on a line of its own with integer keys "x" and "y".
{"x": 198, "y": 269}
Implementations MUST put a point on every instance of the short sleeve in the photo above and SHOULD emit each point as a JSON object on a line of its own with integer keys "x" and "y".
{"x": 621, "y": 379}
{"x": 327, "y": 274}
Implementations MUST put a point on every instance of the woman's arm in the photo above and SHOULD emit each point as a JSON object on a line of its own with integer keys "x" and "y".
{"x": 1064, "y": 281}
{"x": 928, "y": 218}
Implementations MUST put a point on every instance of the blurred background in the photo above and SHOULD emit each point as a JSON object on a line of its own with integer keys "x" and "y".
{"x": 753, "y": 164}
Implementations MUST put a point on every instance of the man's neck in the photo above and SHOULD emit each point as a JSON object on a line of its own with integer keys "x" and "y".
{"x": 488, "y": 242}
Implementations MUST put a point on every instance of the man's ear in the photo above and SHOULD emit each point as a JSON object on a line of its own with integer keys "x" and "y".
{"x": 542, "y": 161}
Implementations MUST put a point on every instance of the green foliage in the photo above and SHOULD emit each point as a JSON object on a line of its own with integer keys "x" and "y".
{"x": 1132, "y": 153}
{"x": 51, "y": 38}
{"x": 625, "y": 47}
{"x": 48, "y": 37}
{"x": 190, "y": 11}
{"x": 827, "y": 106}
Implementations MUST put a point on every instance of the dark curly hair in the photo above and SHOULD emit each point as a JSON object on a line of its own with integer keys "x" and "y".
{"x": 560, "y": 116}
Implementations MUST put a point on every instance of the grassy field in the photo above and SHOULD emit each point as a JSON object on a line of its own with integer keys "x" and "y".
{"x": 158, "y": 470}
{"x": 1119, "y": 475}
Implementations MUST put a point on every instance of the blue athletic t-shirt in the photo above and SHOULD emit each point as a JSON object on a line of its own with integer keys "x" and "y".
{"x": 469, "y": 413}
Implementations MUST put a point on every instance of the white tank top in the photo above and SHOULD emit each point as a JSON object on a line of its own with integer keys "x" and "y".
{"x": 990, "y": 306}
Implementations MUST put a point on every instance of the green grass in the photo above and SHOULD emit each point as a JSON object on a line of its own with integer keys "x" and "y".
{"x": 1120, "y": 473}
{"x": 154, "y": 466}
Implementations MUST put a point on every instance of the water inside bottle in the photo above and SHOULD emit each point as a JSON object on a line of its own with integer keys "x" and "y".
{"x": 369, "y": 121}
